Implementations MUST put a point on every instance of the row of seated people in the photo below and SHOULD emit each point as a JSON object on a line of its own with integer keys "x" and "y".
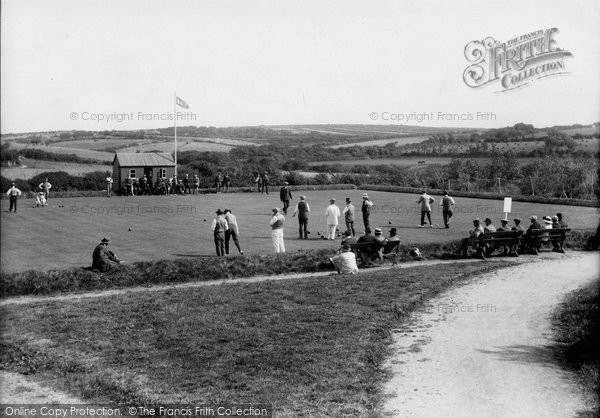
{"x": 528, "y": 239}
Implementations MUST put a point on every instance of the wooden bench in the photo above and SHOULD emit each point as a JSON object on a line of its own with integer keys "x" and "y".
{"x": 488, "y": 242}
{"x": 366, "y": 251}
{"x": 537, "y": 237}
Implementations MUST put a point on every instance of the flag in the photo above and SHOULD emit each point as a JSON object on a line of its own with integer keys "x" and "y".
{"x": 181, "y": 103}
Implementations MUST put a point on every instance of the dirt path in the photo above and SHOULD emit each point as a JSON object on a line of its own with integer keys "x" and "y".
{"x": 484, "y": 349}
{"x": 19, "y": 389}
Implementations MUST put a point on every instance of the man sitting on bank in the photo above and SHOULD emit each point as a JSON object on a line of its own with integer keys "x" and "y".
{"x": 103, "y": 259}
{"x": 345, "y": 262}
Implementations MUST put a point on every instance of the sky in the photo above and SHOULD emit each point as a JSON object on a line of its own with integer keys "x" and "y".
{"x": 103, "y": 65}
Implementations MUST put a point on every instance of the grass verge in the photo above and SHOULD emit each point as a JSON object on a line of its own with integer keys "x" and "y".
{"x": 311, "y": 347}
{"x": 73, "y": 280}
{"x": 577, "y": 333}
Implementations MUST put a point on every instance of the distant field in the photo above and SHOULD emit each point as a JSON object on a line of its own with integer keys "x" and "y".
{"x": 407, "y": 161}
{"x": 587, "y": 130}
{"x": 167, "y": 227}
{"x": 34, "y": 167}
{"x": 84, "y": 153}
{"x": 99, "y": 144}
{"x": 403, "y": 140}
{"x": 182, "y": 145}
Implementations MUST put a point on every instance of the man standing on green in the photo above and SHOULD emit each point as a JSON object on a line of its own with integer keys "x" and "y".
{"x": 366, "y": 209}
{"x": 13, "y": 194}
{"x": 302, "y": 209}
{"x": 219, "y": 226}
{"x": 45, "y": 187}
{"x": 349, "y": 216}
{"x": 425, "y": 200}
{"x": 447, "y": 204}
{"x": 285, "y": 195}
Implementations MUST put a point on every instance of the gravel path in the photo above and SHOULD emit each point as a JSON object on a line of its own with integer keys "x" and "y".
{"x": 484, "y": 349}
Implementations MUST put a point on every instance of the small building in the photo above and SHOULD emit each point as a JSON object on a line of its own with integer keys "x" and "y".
{"x": 153, "y": 165}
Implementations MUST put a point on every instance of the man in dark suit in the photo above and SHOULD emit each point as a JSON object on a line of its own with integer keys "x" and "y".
{"x": 103, "y": 259}
{"x": 285, "y": 195}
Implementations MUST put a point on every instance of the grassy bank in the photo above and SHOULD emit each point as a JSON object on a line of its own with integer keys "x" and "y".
{"x": 73, "y": 280}
{"x": 311, "y": 347}
{"x": 577, "y": 333}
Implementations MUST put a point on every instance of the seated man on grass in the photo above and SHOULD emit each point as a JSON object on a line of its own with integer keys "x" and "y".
{"x": 345, "y": 262}
{"x": 103, "y": 259}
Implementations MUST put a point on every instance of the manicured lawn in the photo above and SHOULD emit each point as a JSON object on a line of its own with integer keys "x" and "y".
{"x": 167, "y": 227}
{"x": 310, "y": 347}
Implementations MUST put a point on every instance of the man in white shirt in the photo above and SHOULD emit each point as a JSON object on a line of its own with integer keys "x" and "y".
{"x": 13, "y": 194}
{"x": 345, "y": 263}
{"x": 332, "y": 213}
{"x": 219, "y": 226}
{"x": 425, "y": 200}
{"x": 277, "y": 231}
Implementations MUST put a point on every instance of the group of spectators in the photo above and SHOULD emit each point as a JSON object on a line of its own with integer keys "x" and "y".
{"x": 548, "y": 222}
{"x": 162, "y": 186}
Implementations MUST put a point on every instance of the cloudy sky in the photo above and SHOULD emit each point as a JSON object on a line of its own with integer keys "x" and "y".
{"x": 65, "y": 63}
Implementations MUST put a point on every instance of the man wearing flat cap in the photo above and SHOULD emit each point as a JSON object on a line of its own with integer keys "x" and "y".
{"x": 285, "y": 195}
{"x": 103, "y": 259}
{"x": 219, "y": 226}
{"x": 276, "y": 223}
{"x": 489, "y": 227}
{"x": 332, "y": 213}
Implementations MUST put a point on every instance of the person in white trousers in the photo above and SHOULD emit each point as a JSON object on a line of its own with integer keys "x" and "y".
{"x": 332, "y": 213}
{"x": 277, "y": 231}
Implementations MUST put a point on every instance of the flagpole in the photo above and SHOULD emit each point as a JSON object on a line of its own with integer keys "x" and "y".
{"x": 175, "y": 122}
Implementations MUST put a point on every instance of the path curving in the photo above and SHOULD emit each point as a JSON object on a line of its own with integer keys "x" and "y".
{"x": 484, "y": 349}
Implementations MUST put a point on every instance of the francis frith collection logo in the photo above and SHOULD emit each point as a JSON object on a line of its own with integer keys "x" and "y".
{"x": 515, "y": 63}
